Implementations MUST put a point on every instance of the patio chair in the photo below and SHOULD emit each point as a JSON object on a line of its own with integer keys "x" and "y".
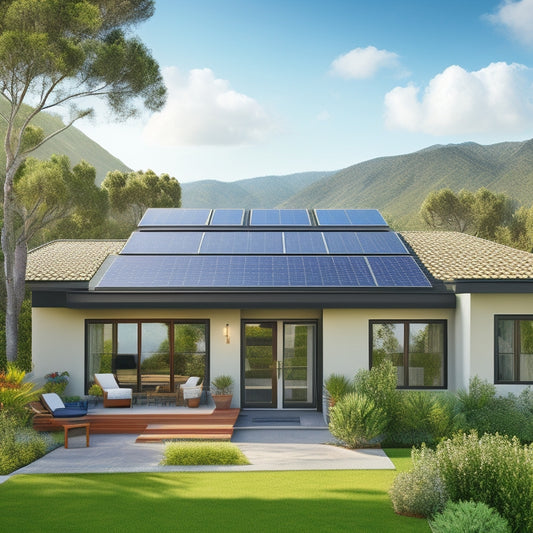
{"x": 54, "y": 404}
{"x": 114, "y": 396}
{"x": 191, "y": 389}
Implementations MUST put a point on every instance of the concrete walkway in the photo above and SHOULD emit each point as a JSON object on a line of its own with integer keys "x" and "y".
{"x": 308, "y": 447}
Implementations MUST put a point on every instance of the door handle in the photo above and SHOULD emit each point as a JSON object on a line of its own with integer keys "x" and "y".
{"x": 279, "y": 366}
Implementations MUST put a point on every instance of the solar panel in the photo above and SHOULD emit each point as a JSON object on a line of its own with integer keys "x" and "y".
{"x": 397, "y": 271}
{"x": 349, "y": 217}
{"x": 170, "y": 216}
{"x": 381, "y": 242}
{"x": 227, "y": 217}
{"x": 343, "y": 242}
{"x": 220, "y": 271}
{"x": 304, "y": 242}
{"x": 277, "y": 217}
{"x": 163, "y": 242}
{"x": 242, "y": 242}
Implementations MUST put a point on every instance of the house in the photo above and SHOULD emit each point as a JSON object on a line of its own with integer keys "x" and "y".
{"x": 280, "y": 299}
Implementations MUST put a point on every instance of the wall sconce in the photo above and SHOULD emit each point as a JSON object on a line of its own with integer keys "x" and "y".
{"x": 226, "y": 333}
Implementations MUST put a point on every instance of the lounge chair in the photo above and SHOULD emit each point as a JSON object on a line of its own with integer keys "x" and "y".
{"x": 191, "y": 389}
{"x": 114, "y": 396}
{"x": 54, "y": 404}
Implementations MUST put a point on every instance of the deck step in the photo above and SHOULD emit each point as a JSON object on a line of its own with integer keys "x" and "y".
{"x": 182, "y": 436}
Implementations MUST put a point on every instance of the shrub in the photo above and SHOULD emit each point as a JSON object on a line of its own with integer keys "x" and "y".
{"x": 19, "y": 445}
{"x": 422, "y": 417}
{"x": 357, "y": 421}
{"x": 14, "y": 393}
{"x": 474, "y": 517}
{"x": 493, "y": 469}
{"x": 203, "y": 453}
{"x": 379, "y": 385}
{"x": 336, "y": 386}
{"x": 421, "y": 491}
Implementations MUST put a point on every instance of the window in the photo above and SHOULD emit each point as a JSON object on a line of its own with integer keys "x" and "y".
{"x": 147, "y": 354}
{"x": 513, "y": 349}
{"x": 416, "y": 348}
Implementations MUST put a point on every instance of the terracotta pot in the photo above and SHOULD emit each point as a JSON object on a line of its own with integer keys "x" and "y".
{"x": 193, "y": 402}
{"x": 222, "y": 401}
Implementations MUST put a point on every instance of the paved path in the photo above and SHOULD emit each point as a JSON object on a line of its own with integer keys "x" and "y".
{"x": 267, "y": 449}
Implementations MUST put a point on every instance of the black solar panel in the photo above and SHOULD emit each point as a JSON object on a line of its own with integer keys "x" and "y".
{"x": 227, "y": 217}
{"x": 163, "y": 216}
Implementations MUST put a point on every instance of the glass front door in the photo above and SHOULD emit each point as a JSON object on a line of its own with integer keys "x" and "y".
{"x": 279, "y": 362}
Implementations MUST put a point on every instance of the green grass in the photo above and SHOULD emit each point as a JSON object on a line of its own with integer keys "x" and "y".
{"x": 203, "y": 453}
{"x": 354, "y": 500}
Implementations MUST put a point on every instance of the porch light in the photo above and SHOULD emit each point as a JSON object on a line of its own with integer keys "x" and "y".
{"x": 226, "y": 333}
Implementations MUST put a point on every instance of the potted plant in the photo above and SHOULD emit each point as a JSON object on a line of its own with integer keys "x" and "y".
{"x": 221, "y": 391}
{"x": 56, "y": 382}
{"x": 95, "y": 393}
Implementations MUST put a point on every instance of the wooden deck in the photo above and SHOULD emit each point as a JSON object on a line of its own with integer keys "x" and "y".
{"x": 152, "y": 425}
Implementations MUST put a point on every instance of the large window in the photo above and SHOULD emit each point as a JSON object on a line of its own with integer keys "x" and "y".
{"x": 513, "y": 349}
{"x": 147, "y": 354}
{"x": 416, "y": 348}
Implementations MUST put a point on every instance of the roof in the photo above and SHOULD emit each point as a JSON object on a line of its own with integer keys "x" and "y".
{"x": 70, "y": 260}
{"x": 451, "y": 256}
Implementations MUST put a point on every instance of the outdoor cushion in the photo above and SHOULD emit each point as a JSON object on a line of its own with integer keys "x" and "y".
{"x": 55, "y": 405}
{"x": 191, "y": 389}
{"x": 118, "y": 394}
{"x": 69, "y": 412}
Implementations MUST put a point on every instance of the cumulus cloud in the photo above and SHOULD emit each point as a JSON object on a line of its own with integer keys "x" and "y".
{"x": 517, "y": 17}
{"x": 204, "y": 110}
{"x": 495, "y": 98}
{"x": 362, "y": 63}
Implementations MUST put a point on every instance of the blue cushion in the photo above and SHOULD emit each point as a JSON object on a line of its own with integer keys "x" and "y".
{"x": 68, "y": 412}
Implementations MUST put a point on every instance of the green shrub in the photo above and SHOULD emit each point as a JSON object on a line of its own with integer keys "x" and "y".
{"x": 422, "y": 417}
{"x": 15, "y": 394}
{"x": 357, "y": 421}
{"x": 493, "y": 469}
{"x": 19, "y": 445}
{"x": 471, "y": 517}
{"x": 421, "y": 491}
{"x": 379, "y": 385}
{"x": 203, "y": 453}
{"x": 336, "y": 386}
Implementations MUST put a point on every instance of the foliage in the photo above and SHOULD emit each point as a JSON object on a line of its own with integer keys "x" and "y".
{"x": 56, "y": 382}
{"x": 336, "y": 386}
{"x": 203, "y": 453}
{"x": 19, "y": 445}
{"x": 421, "y": 491}
{"x": 422, "y": 416}
{"x": 222, "y": 384}
{"x": 24, "y": 347}
{"x": 492, "y": 469}
{"x": 474, "y": 517}
{"x": 95, "y": 390}
{"x": 15, "y": 394}
{"x": 379, "y": 385}
{"x": 357, "y": 421}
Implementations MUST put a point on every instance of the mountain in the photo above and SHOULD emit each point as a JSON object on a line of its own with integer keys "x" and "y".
{"x": 72, "y": 143}
{"x": 266, "y": 191}
{"x": 397, "y": 185}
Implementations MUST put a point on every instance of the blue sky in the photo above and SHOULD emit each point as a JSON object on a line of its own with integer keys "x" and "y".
{"x": 268, "y": 87}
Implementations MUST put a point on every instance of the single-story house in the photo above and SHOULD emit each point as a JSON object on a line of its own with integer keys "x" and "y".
{"x": 279, "y": 300}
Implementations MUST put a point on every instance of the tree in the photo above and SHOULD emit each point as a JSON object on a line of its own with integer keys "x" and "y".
{"x": 54, "y": 54}
{"x": 130, "y": 194}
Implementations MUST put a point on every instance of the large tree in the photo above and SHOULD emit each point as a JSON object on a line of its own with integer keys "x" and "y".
{"x": 60, "y": 54}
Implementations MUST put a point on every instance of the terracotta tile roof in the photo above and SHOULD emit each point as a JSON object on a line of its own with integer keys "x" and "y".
{"x": 69, "y": 260}
{"x": 451, "y": 256}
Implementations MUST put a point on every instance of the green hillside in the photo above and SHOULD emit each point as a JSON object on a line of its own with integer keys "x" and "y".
{"x": 72, "y": 143}
{"x": 397, "y": 185}
{"x": 263, "y": 192}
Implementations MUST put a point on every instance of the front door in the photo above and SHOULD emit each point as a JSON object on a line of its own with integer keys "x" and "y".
{"x": 279, "y": 364}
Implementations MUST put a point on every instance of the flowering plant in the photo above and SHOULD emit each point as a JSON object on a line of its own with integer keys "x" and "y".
{"x": 56, "y": 382}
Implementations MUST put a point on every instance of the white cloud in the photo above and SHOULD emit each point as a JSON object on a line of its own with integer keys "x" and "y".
{"x": 517, "y": 17}
{"x": 362, "y": 63}
{"x": 497, "y": 97}
{"x": 203, "y": 110}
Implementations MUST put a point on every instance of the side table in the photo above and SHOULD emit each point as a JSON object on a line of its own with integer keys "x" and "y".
{"x": 85, "y": 425}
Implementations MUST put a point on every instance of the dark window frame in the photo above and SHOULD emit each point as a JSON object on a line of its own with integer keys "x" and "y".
{"x": 516, "y": 354}
{"x": 406, "y": 323}
{"x": 139, "y": 321}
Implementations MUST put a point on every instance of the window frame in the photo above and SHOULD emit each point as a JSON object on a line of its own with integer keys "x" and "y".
{"x": 139, "y": 321}
{"x": 406, "y": 325}
{"x": 516, "y": 353}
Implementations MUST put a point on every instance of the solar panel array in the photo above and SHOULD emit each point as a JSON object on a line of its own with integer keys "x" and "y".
{"x": 262, "y": 248}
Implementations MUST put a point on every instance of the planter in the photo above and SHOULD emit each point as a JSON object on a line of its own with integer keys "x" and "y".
{"x": 193, "y": 402}
{"x": 222, "y": 401}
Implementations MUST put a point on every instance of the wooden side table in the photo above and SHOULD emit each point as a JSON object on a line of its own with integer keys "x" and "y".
{"x": 85, "y": 425}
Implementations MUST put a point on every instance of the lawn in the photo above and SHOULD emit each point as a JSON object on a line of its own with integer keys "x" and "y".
{"x": 354, "y": 500}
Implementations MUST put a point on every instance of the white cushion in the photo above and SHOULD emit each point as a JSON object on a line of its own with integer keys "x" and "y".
{"x": 118, "y": 394}
{"x": 107, "y": 381}
{"x": 191, "y": 382}
{"x": 191, "y": 392}
{"x": 53, "y": 401}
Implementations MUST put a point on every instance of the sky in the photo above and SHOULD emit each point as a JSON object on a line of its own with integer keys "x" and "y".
{"x": 274, "y": 87}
